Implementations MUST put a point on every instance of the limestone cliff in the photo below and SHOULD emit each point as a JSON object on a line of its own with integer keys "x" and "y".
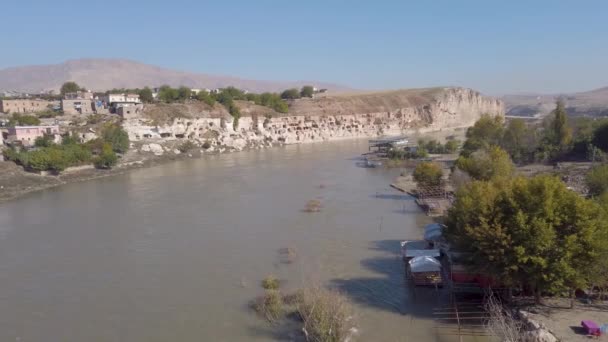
{"x": 320, "y": 119}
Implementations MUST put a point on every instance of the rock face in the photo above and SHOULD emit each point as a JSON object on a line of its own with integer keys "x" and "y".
{"x": 327, "y": 120}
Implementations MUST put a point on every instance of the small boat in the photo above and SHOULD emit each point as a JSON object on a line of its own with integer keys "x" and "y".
{"x": 372, "y": 162}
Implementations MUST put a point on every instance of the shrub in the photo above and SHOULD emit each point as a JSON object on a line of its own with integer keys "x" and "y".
{"x": 206, "y": 145}
{"x": 270, "y": 306}
{"x": 271, "y": 283}
{"x": 69, "y": 140}
{"x": 327, "y": 315}
{"x": 428, "y": 174}
{"x": 107, "y": 158}
{"x": 186, "y": 146}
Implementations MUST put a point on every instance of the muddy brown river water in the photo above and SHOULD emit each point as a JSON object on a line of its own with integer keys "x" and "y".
{"x": 176, "y": 252}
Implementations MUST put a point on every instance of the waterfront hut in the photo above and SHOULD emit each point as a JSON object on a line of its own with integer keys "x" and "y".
{"x": 425, "y": 270}
{"x": 415, "y": 248}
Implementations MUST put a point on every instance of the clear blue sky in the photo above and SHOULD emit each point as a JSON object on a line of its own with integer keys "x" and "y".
{"x": 494, "y": 46}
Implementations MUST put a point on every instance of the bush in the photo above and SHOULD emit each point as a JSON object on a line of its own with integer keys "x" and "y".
{"x": 271, "y": 283}
{"x": 117, "y": 137}
{"x": 206, "y": 145}
{"x": 290, "y": 94}
{"x": 597, "y": 180}
{"x": 327, "y": 315}
{"x": 186, "y": 146}
{"x": 270, "y": 306}
{"x": 205, "y": 97}
{"x": 107, "y": 158}
{"x": 428, "y": 174}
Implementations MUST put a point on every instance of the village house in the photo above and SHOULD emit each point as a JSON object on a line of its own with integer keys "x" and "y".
{"x": 116, "y": 101}
{"x": 80, "y": 102}
{"x": 24, "y": 105}
{"x": 27, "y": 135}
{"x": 130, "y": 111}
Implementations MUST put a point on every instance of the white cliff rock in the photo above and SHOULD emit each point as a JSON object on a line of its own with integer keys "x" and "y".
{"x": 446, "y": 108}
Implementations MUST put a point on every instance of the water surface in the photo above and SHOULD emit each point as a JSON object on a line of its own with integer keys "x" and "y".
{"x": 176, "y": 252}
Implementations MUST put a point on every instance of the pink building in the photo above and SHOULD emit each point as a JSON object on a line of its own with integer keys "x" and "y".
{"x": 28, "y": 134}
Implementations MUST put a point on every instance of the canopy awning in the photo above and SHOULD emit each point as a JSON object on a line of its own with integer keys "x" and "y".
{"x": 424, "y": 264}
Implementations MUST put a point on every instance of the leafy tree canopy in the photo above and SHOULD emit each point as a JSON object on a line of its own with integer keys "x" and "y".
{"x": 531, "y": 231}
{"x": 486, "y": 164}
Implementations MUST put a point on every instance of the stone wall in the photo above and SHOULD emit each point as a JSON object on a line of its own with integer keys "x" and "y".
{"x": 451, "y": 108}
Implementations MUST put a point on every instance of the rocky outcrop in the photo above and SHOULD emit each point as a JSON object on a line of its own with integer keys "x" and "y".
{"x": 327, "y": 119}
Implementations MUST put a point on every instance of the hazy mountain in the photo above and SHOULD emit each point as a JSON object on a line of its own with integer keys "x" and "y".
{"x": 103, "y": 74}
{"x": 592, "y": 103}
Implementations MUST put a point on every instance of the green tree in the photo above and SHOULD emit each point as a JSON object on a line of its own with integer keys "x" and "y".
{"x": 516, "y": 140}
{"x": 37, "y": 160}
{"x": 205, "y": 97}
{"x": 145, "y": 95}
{"x": 290, "y": 94}
{"x": 528, "y": 231}
{"x": 57, "y": 160}
{"x": 184, "y": 93}
{"x": 43, "y": 141}
{"x": 70, "y": 139}
{"x": 428, "y": 174}
{"x": 69, "y": 87}
{"x": 24, "y": 120}
{"x": 307, "y": 91}
{"x": 561, "y": 132}
{"x": 117, "y": 137}
{"x": 600, "y": 137}
{"x": 486, "y": 131}
{"x": 492, "y": 162}
{"x": 597, "y": 180}
{"x": 107, "y": 158}
{"x": 167, "y": 94}
{"x": 234, "y": 93}
{"x": 451, "y": 146}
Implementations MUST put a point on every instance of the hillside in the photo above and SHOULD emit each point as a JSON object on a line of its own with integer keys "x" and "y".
{"x": 591, "y": 103}
{"x": 103, "y": 74}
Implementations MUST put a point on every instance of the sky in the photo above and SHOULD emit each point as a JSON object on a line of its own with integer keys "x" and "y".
{"x": 497, "y": 47}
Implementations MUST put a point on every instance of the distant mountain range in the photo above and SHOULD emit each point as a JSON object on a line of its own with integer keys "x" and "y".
{"x": 104, "y": 74}
{"x": 589, "y": 103}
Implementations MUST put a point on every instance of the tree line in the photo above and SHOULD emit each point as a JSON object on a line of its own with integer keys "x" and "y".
{"x": 531, "y": 233}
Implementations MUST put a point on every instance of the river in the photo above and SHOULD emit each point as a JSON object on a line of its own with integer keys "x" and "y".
{"x": 176, "y": 252}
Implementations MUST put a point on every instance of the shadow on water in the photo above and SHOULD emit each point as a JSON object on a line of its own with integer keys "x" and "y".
{"x": 391, "y": 291}
{"x": 397, "y": 197}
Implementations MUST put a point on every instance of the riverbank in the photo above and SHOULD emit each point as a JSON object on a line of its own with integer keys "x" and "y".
{"x": 16, "y": 182}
